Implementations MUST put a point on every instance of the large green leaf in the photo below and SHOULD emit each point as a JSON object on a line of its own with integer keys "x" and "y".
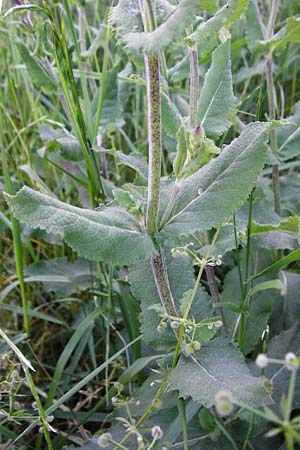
{"x": 217, "y": 97}
{"x": 110, "y": 234}
{"x": 218, "y": 366}
{"x": 170, "y": 30}
{"x": 225, "y": 17}
{"x": 217, "y": 190}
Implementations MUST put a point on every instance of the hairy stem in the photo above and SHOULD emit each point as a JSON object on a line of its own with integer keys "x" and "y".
{"x": 272, "y": 104}
{"x": 194, "y": 85}
{"x": 155, "y": 143}
{"x": 162, "y": 284}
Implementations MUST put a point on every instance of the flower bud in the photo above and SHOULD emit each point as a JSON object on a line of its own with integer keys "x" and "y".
{"x": 262, "y": 361}
{"x": 157, "y": 432}
{"x": 224, "y": 405}
{"x": 196, "y": 345}
{"x": 104, "y": 440}
{"x": 291, "y": 361}
{"x": 162, "y": 327}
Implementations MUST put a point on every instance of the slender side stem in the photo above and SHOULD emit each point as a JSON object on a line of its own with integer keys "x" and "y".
{"x": 17, "y": 244}
{"x": 242, "y": 324}
{"x": 182, "y": 414}
{"x": 155, "y": 140}
{"x": 194, "y": 85}
{"x": 192, "y": 297}
{"x": 272, "y": 104}
{"x": 41, "y": 411}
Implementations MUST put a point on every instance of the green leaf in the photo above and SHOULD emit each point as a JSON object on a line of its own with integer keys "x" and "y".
{"x": 112, "y": 111}
{"x": 255, "y": 29}
{"x": 171, "y": 120}
{"x": 289, "y": 226}
{"x": 217, "y": 190}
{"x": 136, "y": 161}
{"x": 82, "y": 328}
{"x": 36, "y": 70}
{"x": 68, "y": 144}
{"x": 261, "y": 304}
{"x": 289, "y": 33}
{"x": 123, "y": 198}
{"x": 270, "y": 284}
{"x": 111, "y": 234}
{"x": 281, "y": 344}
{"x": 217, "y": 97}
{"x": 170, "y": 30}
{"x": 181, "y": 153}
{"x": 61, "y": 276}
{"x": 225, "y": 17}
{"x": 23, "y": 360}
{"x": 206, "y": 330}
{"x": 218, "y": 366}
{"x": 293, "y": 256}
{"x": 288, "y": 137}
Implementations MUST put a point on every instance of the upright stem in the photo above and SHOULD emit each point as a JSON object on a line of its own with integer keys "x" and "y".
{"x": 152, "y": 71}
{"x": 272, "y": 104}
{"x": 194, "y": 95}
{"x": 194, "y": 85}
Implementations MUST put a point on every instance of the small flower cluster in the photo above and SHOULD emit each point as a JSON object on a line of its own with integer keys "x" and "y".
{"x": 224, "y": 403}
{"x": 291, "y": 361}
{"x": 104, "y": 440}
{"x": 191, "y": 347}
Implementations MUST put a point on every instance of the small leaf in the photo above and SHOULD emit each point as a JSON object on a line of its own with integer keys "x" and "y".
{"x": 181, "y": 152}
{"x": 288, "y": 137}
{"x": 225, "y": 17}
{"x": 289, "y": 33}
{"x": 206, "y": 330}
{"x": 217, "y": 97}
{"x": 111, "y": 234}
{"x": 123, "y": 198}
{"x": 289, "y": 226}
{"x": 209, "y": 372}
{"x": 171, "y": 120}
{"x": 293, "y": 256}
{"x": 255, "y": 29}
{"x": 136, "y": 161}
{"x": 36, "y": 70}
{"x": 68, "y": 144}
{"x": 270, "y": 284}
